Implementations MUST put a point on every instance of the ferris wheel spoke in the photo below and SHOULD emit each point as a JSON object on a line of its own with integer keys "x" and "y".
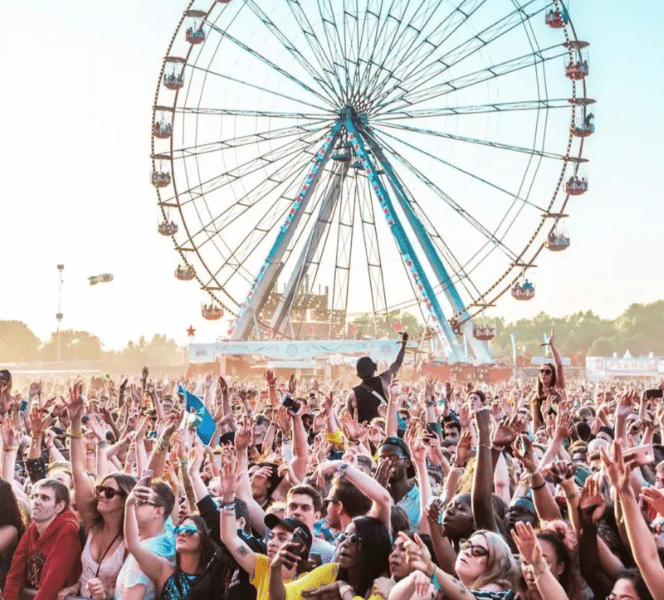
{"x": 237, "y": 142}
{"x": 249, "y": 167}
{"x": 460, "y": 210}
{"x": 475, "y": 109}
{"x": 236, "y": 112}
{"x": 470, "y": 140}
{"x": 419, "y": 149}
{"x": 402, "y": 37}
{"x": 480, "y": 76}
{"x": 326, "y": 63}
{"x": 437, "y": 65}
{"x": 284, "y": 175}
{"x": 284, "y": 40}
{"x": 262, "y": 58}
{"x": 244, "y": 82}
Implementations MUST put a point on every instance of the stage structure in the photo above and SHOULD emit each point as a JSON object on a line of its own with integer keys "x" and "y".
{"x": 317, "y": 161}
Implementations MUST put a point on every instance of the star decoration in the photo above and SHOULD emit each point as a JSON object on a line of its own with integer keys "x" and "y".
{"x": 191, "y": 331}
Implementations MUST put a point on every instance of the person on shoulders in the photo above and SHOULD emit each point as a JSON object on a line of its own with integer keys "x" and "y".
{"x": 364, "y": 399}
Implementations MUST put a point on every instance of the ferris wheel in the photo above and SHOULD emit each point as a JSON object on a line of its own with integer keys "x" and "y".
{"x": 318, "y": 160}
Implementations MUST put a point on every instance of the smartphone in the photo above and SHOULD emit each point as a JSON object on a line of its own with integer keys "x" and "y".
{"x": 299, "y": 537}
{"x": 146, "y": 477}
{"x": 642, "y": 455}
{"x": 656, "y": 393}
{"x": 24, "y": 405}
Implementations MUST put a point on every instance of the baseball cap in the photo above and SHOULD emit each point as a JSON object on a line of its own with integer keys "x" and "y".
{"x": 289, "y": 524}
{"x": 397, "y": 441}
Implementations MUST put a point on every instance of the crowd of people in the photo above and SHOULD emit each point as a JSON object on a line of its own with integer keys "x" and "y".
{"x": 382, "y": 489}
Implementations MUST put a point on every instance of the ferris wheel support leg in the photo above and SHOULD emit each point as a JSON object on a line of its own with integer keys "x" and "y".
{"x": 480, "y": 349}
{"x": 443, "y": 329}
{"x": 308, "y": 252}
{"x": 267, "y": 276}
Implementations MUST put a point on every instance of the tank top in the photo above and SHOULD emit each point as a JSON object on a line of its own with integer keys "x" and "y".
{"x": 177, "y": 586}
{"x": 108, "y": 572}
{"x": 367, "y": 402}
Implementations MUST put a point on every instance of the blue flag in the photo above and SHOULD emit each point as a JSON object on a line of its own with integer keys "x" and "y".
{"x": 206, "y": 429}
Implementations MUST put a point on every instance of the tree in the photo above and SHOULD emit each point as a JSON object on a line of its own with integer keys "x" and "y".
{"x": 602, "y": 346}
{"x": 74, "y": 346}
{"x": 379, "y": 325}
{"x": 18, "y": 343}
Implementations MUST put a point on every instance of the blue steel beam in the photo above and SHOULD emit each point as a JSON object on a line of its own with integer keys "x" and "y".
{"x": 480, "y": 349}
{"x": 266, "y": 278}
{"x": 443, "y": 329}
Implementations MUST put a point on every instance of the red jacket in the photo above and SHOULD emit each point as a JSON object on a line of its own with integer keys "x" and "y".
{"x": 48, "y": 562}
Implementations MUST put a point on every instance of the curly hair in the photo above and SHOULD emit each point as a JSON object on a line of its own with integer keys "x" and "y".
{"x": 564, "y": 543}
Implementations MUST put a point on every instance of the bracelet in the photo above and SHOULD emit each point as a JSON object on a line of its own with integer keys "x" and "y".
{"x": 434, "y": 579}
{"x": 232, "y": 504}
{"x": 485, "y": 446}
{"x": 9, "y": 448}
{"x": 75, "y": 436}
{"x": 430, "y": 403}
{"x": 538, "y": 487}
{"x": 229, "y": 509}
{"x": 103, "y": 445}
{"x": 184, "y": 461}
{"x": 341, "y": 471}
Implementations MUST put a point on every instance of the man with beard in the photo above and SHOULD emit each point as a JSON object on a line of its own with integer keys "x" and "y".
{"x": 395, "y": 468}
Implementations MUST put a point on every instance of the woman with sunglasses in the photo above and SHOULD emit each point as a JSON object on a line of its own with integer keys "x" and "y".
{"x": 485, "y": 568}
{"x": 193, "y": 551}
{"x": 550, "y": 382}
{"x": 101, "y": 509}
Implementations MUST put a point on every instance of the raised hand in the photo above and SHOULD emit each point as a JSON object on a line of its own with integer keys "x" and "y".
{"x": 292, "y": 384}
{"x": 244, "y": 435}
{"x": 282, "y": 419}
{"x": 429, "y": 386}
{"x": 529, "y": 547}
{"x": 557, "y": 472}
{"x": 10, "y": 437}
{"x": 523, "y": 452}
{"x": 171, "y": 423}
{"x": 464, "y": 417}
{"x": 464, "y": 449}
{"x": 76, "y": 404}
{"x": 618, "y": 471}
{"x": 417, "y": 554}
{"x": 269, "y": 376}
{"x": 591, "y": 503}
{"x": 433, "y": 510}
{"x": 384, "y": 472}
{"x": 418, "y": 449}
{"x": 96, "y": 423}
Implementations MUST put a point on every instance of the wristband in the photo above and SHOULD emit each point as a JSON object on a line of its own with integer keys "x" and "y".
{"x": 103, "y": 445}
{"x": 341, "y": 472}
{"x": 434, "y": 580}
{"x": 538, "y": 487}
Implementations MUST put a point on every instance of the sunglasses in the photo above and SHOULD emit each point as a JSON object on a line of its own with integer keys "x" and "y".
{"x": 476, "y": 550}
{"x": 142, "y": 502}
{"x": 353, "y": 538}
{"x": 546, "y": 371}
{"x": 187, "y": 530}
{"x": 108, "y": 492}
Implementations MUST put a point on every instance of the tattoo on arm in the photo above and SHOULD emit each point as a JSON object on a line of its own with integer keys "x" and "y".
{"x": 462, "y": 588}
{"x": 242, "y": 549}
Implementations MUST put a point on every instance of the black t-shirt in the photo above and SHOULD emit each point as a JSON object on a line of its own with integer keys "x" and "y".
{"x": 367, "y": 401}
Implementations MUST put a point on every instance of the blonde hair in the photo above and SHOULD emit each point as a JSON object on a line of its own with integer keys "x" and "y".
{"x": 501, "y": 568}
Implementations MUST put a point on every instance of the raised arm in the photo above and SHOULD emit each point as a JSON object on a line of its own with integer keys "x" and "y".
{"x": 83, "y": 489}
{"x": 159, "y": 452}
{"x": 388, "y": 375}
{"x": 481, "y": 501}
{"x": 641, "y": 541}
{"x": 230, "y": 478}
{"x": 560, "y": 375}
{"x": 158, "y": 569}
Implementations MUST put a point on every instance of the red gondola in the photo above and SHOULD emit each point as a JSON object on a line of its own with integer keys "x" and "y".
{"x": 555, "y": 19}
{"x": 166, "y": 228}
{"x": 523, "y": 291}
{"x": 211, "y": 312}
{"x": 484, "y": 332}
{"x": 577, "y": 70}
{"x": 195, "y": 36}
{"x": 185, "y": 273}
{"x": 160, "y": 178}
{"x": 576, "y": 186}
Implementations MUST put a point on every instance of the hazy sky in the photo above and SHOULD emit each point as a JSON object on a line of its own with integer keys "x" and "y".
{"x": 78, "y": 83}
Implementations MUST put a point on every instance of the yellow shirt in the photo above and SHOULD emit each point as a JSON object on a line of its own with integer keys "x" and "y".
{"x": 336, "y": 438}
{"x": 261, "y": 578}
{"x": 320, "y": 576}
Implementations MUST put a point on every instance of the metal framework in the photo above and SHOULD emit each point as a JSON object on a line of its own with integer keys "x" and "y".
{"x": 281, "y": 128}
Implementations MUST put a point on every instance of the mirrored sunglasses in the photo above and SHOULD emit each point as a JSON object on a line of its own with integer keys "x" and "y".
{"x": 187, "y": 530}
{"x": 476, "y": 550}
{"x": 353, "y": 538}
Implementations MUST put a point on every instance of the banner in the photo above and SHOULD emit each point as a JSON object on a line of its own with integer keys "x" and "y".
{"x": 599, "y": 368}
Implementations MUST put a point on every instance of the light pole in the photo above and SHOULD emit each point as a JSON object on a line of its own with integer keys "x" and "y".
{"x": 58, "y": 316}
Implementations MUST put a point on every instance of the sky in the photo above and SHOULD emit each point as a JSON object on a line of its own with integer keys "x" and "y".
{"x": 79, "y": 80}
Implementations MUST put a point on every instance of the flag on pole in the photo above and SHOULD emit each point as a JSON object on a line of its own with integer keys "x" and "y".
{"x": 207, "y": 425}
